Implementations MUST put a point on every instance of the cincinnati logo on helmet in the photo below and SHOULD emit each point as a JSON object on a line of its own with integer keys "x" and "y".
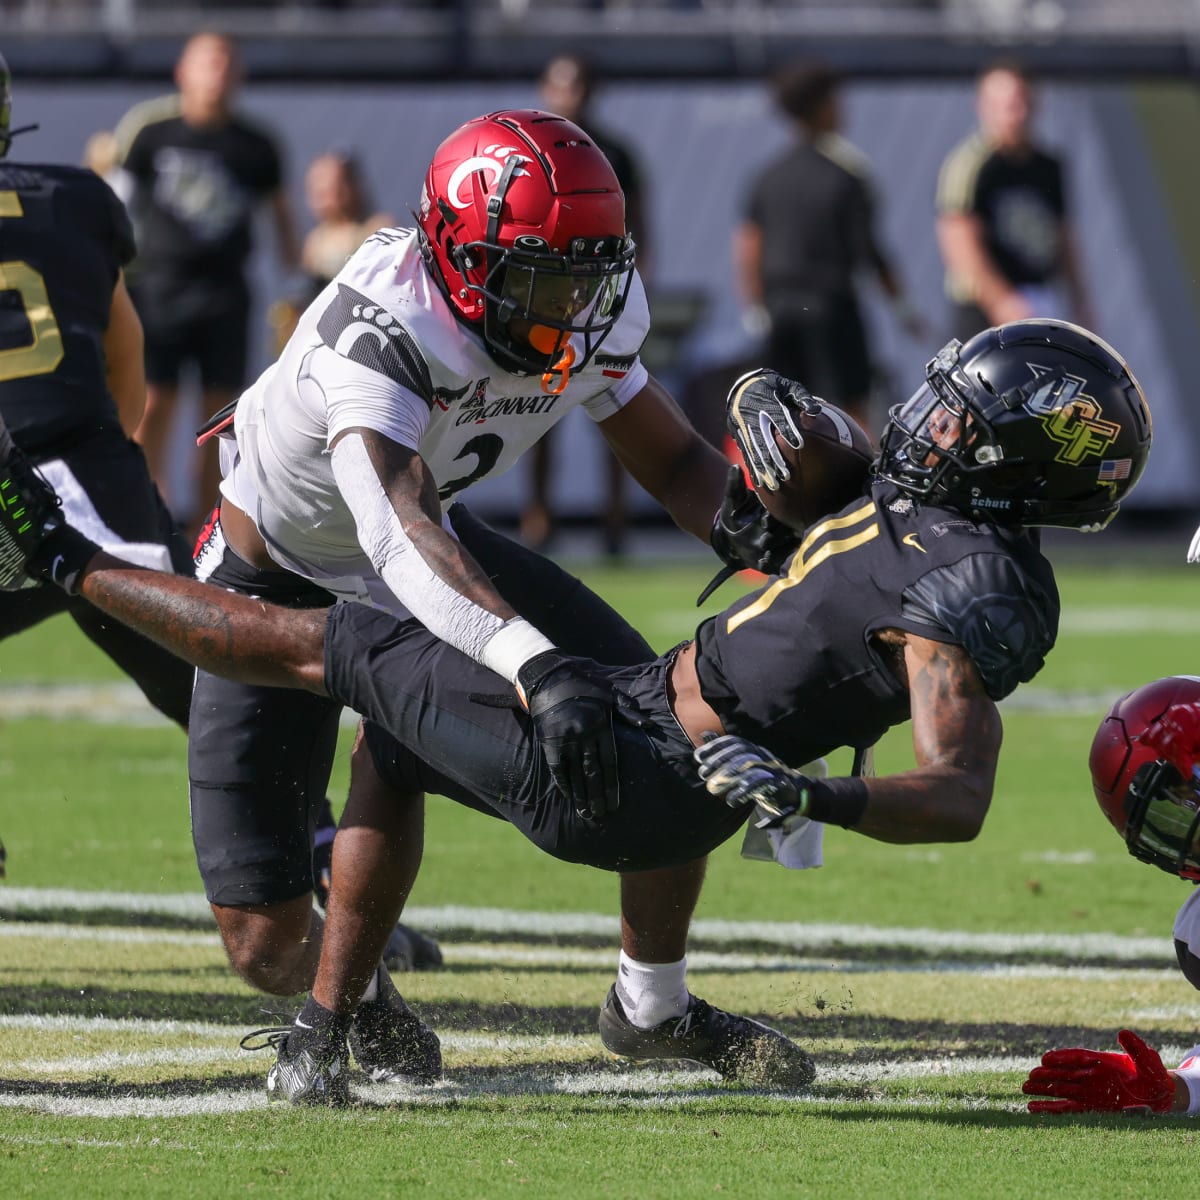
{"x": 1070, "y": 417}
{"x": 490, "y": 164}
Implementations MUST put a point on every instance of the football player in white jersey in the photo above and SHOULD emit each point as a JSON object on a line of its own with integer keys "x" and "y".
{"x": 434, "y": 359}
{"x": 1145, "y": 764}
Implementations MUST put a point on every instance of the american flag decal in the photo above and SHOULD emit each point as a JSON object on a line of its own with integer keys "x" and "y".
{"x": 1112, "y": 469}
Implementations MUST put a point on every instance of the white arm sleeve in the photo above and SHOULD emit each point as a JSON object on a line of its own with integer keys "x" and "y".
{"x": 501, "y": 645}
{"x": 1189, "y": 1072}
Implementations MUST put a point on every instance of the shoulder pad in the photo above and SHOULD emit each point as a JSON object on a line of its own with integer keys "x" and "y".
{"x": 357, "y": 328}
{"x": 1004, "y": 619}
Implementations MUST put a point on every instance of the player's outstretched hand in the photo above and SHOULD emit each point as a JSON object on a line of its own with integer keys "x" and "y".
{"x": 739, "y": 772}
{"x": 745, "y": 535}
{"x": 573, "y": 719}
{"x": 759, "y": 405}
{"x": 1082, "y": 1080}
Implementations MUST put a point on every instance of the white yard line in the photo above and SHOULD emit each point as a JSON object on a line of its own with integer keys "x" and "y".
{"x": 795, "y": 936}
{"x": 565, "y": 958}
{"x": 123, "y": 704}
{"x": 55, "y": 932}
{"x": 662, "y": 1087}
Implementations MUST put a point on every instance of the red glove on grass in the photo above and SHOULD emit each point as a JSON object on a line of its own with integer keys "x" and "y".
{"x": 1097, "y": 1081}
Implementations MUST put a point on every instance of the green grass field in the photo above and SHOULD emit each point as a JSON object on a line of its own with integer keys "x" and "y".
{"x": 925, "y": 979}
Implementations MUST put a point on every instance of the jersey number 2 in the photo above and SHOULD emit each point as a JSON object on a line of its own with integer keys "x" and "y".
{"x": 45, "y": 352}
{"x": 486, "y": 447}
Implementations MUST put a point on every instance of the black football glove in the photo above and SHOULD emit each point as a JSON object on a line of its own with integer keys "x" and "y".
{"x": 573, "y": 719}
{"x": 739, "y": 772}
{"x": 745, "y": 536}
{"x": 34, "y": 539}
{"x": 760, "y": 403}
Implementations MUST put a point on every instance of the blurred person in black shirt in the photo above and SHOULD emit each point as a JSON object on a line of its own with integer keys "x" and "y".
{"x": 198, "y": 171}
{"x": 808, "y": 228}
{"x": 567, "y": 85}
{"x": 1002, "y": 216}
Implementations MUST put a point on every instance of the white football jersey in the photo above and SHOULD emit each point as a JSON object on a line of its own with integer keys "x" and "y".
{"x": 380, "y": 349}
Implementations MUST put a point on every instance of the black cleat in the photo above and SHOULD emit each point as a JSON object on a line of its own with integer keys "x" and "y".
{"x": 408, "y": 949}
{"x": 390, "y": 1042}
{"x": 310, "y": 1069}
{"x": 742, "y": 1050}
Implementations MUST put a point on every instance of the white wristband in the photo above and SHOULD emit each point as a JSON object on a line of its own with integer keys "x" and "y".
{"x": 511, "y": 646}
{"x": 1189, "y": 1072}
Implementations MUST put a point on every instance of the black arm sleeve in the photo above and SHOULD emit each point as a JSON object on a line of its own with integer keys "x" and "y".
{"x": 1004, "y": 619}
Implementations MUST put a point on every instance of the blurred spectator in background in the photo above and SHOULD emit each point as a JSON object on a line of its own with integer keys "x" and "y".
{"x": 198, "y": 171}
{"x": 1002, "y": 221}
{"x": 337, "y": 200}
{"x": 566, "y": 85}
{"x": 808, "y": 228}
{"x": 100, "y": 155}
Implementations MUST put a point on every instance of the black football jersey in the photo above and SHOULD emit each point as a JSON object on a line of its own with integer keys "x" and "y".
{"x": 794, "y": 666}
{"x": 64, "y": 237}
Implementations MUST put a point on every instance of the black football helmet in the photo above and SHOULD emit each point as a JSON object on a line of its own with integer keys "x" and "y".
{"x": 1036, "y": 422}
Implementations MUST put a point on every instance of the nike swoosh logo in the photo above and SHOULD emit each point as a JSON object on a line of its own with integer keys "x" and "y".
{"x": 910, "y": 539}
{"x": 301, "y": 1024}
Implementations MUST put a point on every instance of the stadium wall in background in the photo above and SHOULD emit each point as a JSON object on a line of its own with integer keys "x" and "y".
{"x": 1133, "y": 160}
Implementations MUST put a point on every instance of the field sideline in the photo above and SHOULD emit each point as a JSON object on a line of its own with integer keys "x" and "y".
{"x": 926, "y": 980}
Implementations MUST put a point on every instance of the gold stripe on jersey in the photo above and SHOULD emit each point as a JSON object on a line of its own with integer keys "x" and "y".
{"x": 10, "y": 205}
{"x": 803, "y": 561}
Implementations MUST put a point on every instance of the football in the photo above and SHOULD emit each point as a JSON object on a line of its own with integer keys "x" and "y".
{"x": 827, "y": 473}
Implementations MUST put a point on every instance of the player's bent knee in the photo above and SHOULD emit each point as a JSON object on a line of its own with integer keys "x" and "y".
{"x": 272, "y": 947}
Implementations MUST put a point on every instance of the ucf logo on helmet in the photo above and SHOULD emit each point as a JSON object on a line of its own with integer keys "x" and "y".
{"x": 1070, "y": 417}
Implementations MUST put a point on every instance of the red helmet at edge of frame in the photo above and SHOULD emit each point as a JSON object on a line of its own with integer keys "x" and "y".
{"x": 1143, "y": 762}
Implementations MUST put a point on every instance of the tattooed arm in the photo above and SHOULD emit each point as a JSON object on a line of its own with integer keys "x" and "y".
{"x": 956, "y": 738}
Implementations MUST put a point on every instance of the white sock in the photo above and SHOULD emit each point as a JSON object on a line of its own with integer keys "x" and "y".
{"x": 372, "y": 988}
{"x": 651, "y": 993}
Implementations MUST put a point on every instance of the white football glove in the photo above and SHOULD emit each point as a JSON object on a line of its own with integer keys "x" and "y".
{"x": 740, "y": 773}
{"x": 760, "y": 404}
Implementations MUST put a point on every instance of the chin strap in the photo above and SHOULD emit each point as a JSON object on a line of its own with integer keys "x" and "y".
{"x": 545, "y": 341}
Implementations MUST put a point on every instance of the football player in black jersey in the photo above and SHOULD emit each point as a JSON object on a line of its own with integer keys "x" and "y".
{"x": 925, "y": 600}
{"x": 72, "y": 390}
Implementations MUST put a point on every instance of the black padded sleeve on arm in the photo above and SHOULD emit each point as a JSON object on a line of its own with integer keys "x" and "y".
{"x": 1004, "y": 619}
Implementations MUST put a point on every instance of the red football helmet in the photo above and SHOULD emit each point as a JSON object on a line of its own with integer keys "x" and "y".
{"x": 522, "y": 224}
{"x": 1145, "y": 764}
